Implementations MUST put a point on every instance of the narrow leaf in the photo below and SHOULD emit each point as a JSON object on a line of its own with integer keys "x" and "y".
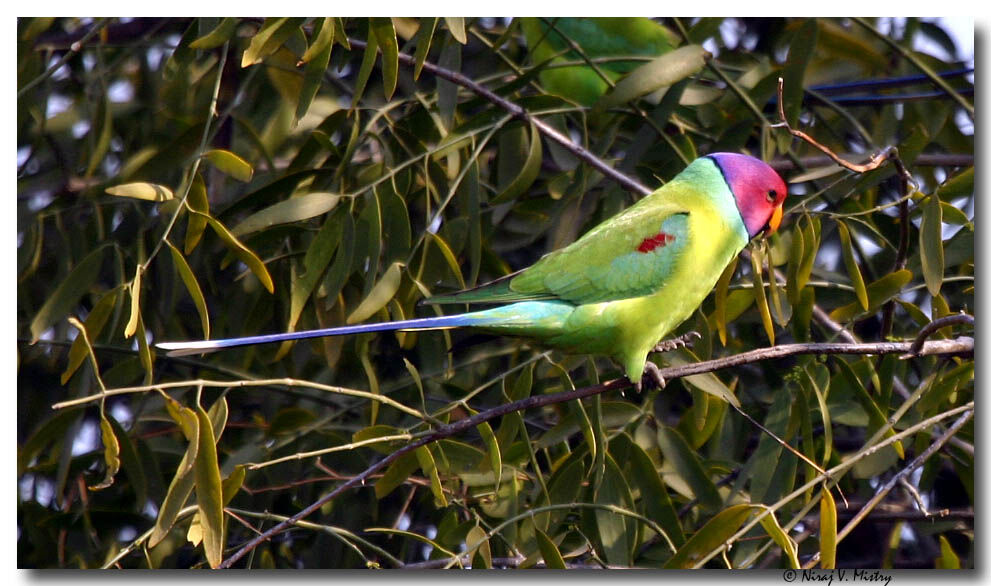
{"x": 94, "y": 324}
{"x": 479, "y": 552}
{"x": 111, "y": 454}
{"x": 722, "y": 290}
{"x": 422, "y": 41}
{"x": 527, "y": 173}
{"x": 385, "y": 36}
{"x": 786, "y": 543}
{"x": 756, "y": 262}
{"x": 429, "y": 467}
{"x": 931, "y": 245}
{"x": 142, "y": 190}
{"x": 196, "y": 200}
{"x": 827, "y": 531}
{"x": 686, "y": 463}
{"x": 209, "y": 492}
{"x": 218, "y": 36}
{"x": 294, "y": 209}
{"x": 384, "y": 290}
{"x": 135, "y": 294}
{"x": 878, "y": 293}
{"x": 662, "y": 71}
{"x": 230, "y": 164}
{"x": 323, "y": 38}
{"x": 244, "y": 253}
{"x": 852, "y": 269}
{"x": 456, "y": 25}
{"x": 193, "y": 287}
{"x": 710, "y": 537}
{"x": 549, "y": 551}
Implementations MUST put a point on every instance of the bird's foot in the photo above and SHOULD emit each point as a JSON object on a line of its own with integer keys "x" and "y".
{"x": 682, "y": 341}
{"x": 652, "y": 378}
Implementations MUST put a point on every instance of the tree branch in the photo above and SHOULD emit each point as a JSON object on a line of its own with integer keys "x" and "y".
{"x": 958, "y": 346}
{"x": 520, "y": 113}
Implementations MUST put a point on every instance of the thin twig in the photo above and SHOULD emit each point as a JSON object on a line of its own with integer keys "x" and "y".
{"x": 520, "y": 113}
{"x": 960, "y": 318}
{"x": 670, "y": 373}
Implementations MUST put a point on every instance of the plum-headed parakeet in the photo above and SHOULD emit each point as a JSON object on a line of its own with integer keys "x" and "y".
{"x": 625, "y": 284}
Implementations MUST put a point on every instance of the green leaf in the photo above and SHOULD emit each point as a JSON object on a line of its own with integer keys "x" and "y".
{"x": 268, "y": 39}
{"x": 616, "y": 532}
{"x": 800, "y": 54}
{"x": 209, "y": 491}
{"x": 230, "y": 164}
{"x": 456, "y": 24}
{"x": 312, "y": 80}
{"x": 788, "y": 546}
{"x": 875, "y": 416}
{"x": 477, "y": 545}
{"x": 218, "y": 36}
{"x": 244, "y": 253}
{"x": 710, "y": 537}
{"x": 660, "y": 72}
{"x": 852, "y": 269}
{"x": 94, "y": 324}
{"x": 68, "y": 293}
{"x": 396, "y": 474}
{"x": 193, "y": 287}
{"x": 492, "y": 446}
{"x": 135, "y": 293}
{"x": 385, "y": 36}
{"x": 756, "y": 262}
{"x": 827, "y": 531}
{"x": 722, "y": 289}
{"x": 101, "y": 143}
{"x": 429, "y": 467}
{"x": 657, "y": 504}
{"x": 318, "y": 255}
{"x": 549, "y": 551}
{"x": 142, "y": 190}
{"x": 323, "y": 39}
{"x": 365, "y": 70}
{"x": 948, "y": 559}
{"x": 528, "y": 170}
{"x": 197, "y": 200}
{"x": 111, "y": 454}
{"x": 449, "y": 256}
{"x": 290, "y": 420}
{"x": 960, "y": 185}
{"x": 384, "y": 290}
{"x": 878, "y": 293}
{"x": 294, "y": 209}
{"x": 422, "y": 41}
{"x": 931, "y": 244}
{"x": 687, "y": 465}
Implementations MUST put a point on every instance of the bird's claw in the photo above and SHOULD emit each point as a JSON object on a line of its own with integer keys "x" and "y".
{"x": 651, "y": 377}
{"x": 682, "y": 341}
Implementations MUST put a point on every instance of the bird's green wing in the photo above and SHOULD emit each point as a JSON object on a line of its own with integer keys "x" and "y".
{"x": 631, "y": 255}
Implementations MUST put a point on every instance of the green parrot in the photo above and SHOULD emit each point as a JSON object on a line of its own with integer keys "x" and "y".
{"x": 597, "y": 37}
{"x": 621, "y": 287}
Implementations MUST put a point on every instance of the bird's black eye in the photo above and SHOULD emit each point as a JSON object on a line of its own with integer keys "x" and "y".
{"x": 772, "y": 196}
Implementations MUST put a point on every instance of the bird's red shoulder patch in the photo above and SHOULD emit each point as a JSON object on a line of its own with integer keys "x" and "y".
{"x": 655, "y": 241}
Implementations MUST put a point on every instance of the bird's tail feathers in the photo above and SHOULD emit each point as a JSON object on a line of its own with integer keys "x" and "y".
{"x": 429, "y": 323}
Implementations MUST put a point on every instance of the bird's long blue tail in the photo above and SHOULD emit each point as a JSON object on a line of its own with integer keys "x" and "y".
{"x": 428, "y": 323}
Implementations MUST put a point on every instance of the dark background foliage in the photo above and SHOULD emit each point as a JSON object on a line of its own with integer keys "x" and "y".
{"x": 246, "y": 176}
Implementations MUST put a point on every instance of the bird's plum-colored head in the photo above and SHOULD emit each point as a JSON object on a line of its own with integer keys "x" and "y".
{"x": 759, "y": 191}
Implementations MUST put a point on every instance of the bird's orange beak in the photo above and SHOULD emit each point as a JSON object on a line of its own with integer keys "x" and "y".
{"x": 775, "y": 221}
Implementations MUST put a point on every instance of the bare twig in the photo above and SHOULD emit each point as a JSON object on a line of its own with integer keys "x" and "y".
{"x": 923, "y": 160}
{"x": 960, "y": 318}
{"x": 876, "y": 161}
{"x": 670, "y": 373}
{"x": 903, "y": 473}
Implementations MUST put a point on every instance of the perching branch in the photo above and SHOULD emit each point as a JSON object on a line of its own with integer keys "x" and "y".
{"x": 960, "y": 345}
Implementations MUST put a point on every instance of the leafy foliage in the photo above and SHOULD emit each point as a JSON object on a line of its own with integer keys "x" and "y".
{"x": 341, "y": 182}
